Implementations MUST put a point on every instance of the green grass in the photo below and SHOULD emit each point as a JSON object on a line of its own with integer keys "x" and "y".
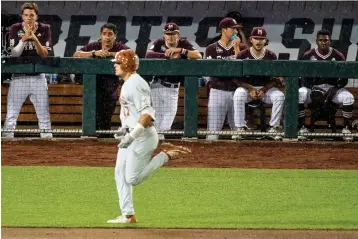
{"x": 190, "y": 198}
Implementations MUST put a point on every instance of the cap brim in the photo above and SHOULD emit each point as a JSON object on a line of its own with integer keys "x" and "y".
{"x": 175, "y": 31}
{"x": 258, "y": 37}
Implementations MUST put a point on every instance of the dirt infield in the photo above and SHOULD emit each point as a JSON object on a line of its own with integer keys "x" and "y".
{"x": 245, "y": 154}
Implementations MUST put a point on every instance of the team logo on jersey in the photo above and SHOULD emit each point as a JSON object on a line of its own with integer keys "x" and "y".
{"x": 12, "y": 42}
{"x": 219, "y": 50}
{"x": 20, "y": 33}
{"x": 163, "y": 48}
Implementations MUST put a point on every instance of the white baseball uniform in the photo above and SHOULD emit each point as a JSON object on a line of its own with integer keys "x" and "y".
{"x": 135, "y": 163}
{"x": 273, "y": 96}
{"x": 165, "y": 89}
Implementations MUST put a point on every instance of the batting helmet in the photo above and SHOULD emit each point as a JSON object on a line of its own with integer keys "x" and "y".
{"x": 128, "y": 60}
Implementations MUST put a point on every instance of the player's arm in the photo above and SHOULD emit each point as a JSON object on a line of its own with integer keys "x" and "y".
{"x": 40, "y": 49}
{"x": 189, "y": 51}
{"x": 16, "y": 47}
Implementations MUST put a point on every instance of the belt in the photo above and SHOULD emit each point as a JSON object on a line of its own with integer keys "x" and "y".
{"x": 26, "y": 74}
{"x": 168, "y": 84}
{"x": 223, "y": 89}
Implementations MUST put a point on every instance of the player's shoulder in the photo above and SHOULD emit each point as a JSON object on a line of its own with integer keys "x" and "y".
{"x": 338, "y": 54}
{"x": 271, "y": 54}
{"x": 121, "y": 46}
{"x": 159, "y": 42}
{"x": 183, "y": 40}
{"x": 243, "y": 54}
{"x": 16, "y": 26}
{"x": 94, "y": 44}
{"x": 309, "y": 52}
{"x": 44, "y": 25}
{"x": 212, "y": 45}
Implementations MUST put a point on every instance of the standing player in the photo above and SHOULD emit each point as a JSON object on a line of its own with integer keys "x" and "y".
{"x": 222, "y": 88}
{"x": 165, "y": 89}
{"x": 134, "y": 159}
{"x": 339, "y": 95}
{"x": 267, "y": 91}
{"x": 29, "y": 38}
{"x": 107, "y": 85}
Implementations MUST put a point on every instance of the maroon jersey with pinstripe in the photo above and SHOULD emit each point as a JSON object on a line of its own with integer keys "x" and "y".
{"x": 42, "y": 32}
{"x": 248, "y": 55}
{"x": 219, "y": 51}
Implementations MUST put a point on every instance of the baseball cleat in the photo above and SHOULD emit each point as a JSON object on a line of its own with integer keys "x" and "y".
{"x": 240, "y": 136}
{"x": 174, "y": 151}
{"x": 130, "y": 219}
{"x": 275, "y": 130}
{"x": 347, "y": 138}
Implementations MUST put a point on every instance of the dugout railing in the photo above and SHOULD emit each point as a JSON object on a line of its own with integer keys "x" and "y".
{"x": 191, "y": 69}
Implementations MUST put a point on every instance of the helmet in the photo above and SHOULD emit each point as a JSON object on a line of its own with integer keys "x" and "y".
{"x": 127, "y": 59}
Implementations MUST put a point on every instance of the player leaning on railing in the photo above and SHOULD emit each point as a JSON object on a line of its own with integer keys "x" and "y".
{"x": 29, "y": 38}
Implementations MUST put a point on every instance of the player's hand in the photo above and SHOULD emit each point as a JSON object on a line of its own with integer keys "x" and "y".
{"x": 28, "y": 34}
{"x": 176, "y": 55}
{"x": 253, "y": 93}
{"x": 102, "y": 53}
{"x": 120, "y": 133}
{"x": 126, "y": 141}
{"x": 260, "y": 94}
{"x": 171, "y": 51}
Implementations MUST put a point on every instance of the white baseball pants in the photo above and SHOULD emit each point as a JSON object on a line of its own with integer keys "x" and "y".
{"x": 134, "y": 164}
{"x": 219, "y": 105}
{"x": 165, "y": 104}
{"x": 273, "y": 96}
{"x": 342, "y": 97}
{"x": 21, "y": 87}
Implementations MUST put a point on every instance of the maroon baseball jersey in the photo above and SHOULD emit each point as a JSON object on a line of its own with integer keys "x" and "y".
{"x": 118, "y": 46}
{"x": 314, "y": 55}
{"x": 256, "y": 80}
{"x": 219, "y": 51}
{"x": 107, "y": 83}
{"x": 41, "y": 31}
{"x": 160, "y": 47}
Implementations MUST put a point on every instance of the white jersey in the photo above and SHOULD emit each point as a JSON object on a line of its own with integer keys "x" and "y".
{"x": 135, "y": 100}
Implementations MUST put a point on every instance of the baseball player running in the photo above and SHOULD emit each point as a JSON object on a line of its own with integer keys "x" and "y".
{"x": 222, "y": 88}
{"x": 269, "y": 93}
{"x": 139, "y": 138}
{"x": 165, "y": 89}
{"x": 29, "y": 38}
{"x": 339, "y": 95}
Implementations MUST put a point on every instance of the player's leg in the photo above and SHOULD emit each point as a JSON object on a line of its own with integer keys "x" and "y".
{"x": 240, "y": 98}
{"x": 216, "y": 112}
{"x": 171, "y": 107}
{"x": 303, "y": 97}
{"x": 230, "y": 110}
{"x": 275, "y": 97}
{"x": 124, "y": 189}
{"x": 140, "y": 164}
{"x": 158, "y": 100}
{"x": 346, "y": 99}
{"x": 39, "y": 97}
{"x": 17, "y": 93}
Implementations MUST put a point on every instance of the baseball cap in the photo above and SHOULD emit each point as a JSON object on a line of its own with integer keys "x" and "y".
{"x": 228, "y": 22}
{"x": 259, "y": 32}
{"x": 171, "y": 27}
